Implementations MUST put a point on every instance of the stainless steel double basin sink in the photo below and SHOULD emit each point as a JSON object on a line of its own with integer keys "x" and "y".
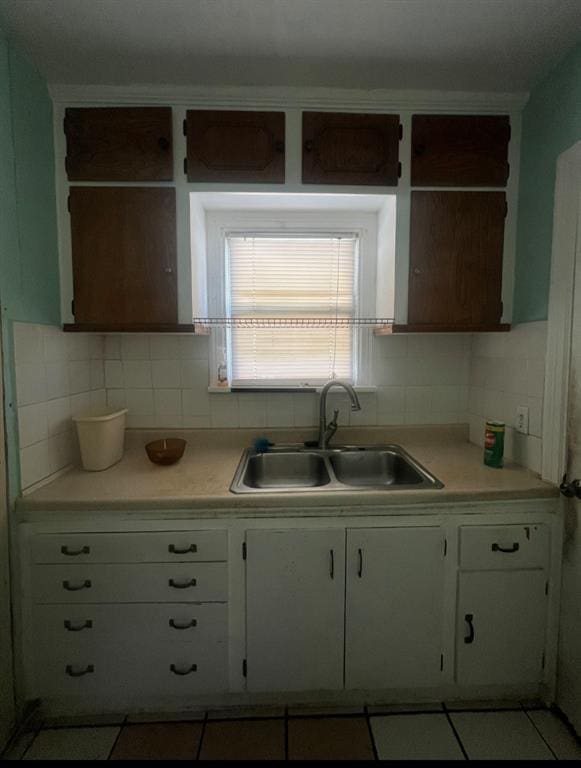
{"x": 295, "y": 468}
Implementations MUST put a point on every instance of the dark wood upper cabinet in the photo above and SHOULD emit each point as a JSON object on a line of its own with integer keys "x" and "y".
{"x": 460, "y": 150}
{"x": 119, "y": 144}
{"x": 348, "y": 148}
{"x": 124, "y": 255}
{"x": 456, "y": 243}
{"x": 244, "y": 147}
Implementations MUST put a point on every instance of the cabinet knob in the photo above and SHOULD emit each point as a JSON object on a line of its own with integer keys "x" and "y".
{"x": 168, "y": 270}
{"x": 163, "y": 143}
{"x": 417, "y": 271}
{"x": 308, "y": 146}
{"x": 279, "y": 146}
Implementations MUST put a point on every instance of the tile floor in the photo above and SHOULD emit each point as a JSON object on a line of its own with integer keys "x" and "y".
{"x": 472, "y": 730}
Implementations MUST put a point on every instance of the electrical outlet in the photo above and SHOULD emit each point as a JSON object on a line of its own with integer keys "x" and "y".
{"x": 522, "y": 419}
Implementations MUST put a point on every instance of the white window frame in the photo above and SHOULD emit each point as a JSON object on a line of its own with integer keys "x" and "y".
{"x": 220, "y": 223}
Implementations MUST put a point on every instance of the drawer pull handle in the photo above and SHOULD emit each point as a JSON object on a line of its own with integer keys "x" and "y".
{"x": 332, "y": 563}
{"x": 182, "y": 672}
{"x": 497, "y": 548}
{"x": 187, "y": 625}
{"x": 182, "y": 584}
{"x": 469, "y": 619}
{"x": 76, "y": 587}
{"x": 71, "y": 672}
{"x": 74, "y": 552}
{"x": 360, "y": 568}
{"x": 88, "y": 624}
{"x": 175, "y": 551}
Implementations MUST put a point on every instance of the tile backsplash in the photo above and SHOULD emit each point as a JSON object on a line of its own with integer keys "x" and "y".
{"x": 507, "y": 370}
{"x": 57, "y": 376}
{"x": 163, "y": 382}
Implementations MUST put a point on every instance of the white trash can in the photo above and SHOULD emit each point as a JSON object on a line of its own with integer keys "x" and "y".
{"x": 101, "y": 433}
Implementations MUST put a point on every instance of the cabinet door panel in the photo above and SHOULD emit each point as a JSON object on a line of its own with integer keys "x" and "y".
{"x": 295, "y": 583}
{"x": 394, "y": 607}
{"x": 225, "y": 146}
{"x": 124, "y": 254}
{"x": 460, "y": 150}
{"x": 119, "y": 144}
{"x": 508, "y": 614}
{"x": 456, "y": 244}
{"x": 347, "y": 148}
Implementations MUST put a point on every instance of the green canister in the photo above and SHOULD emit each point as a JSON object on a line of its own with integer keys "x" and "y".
{"x": 494, "y": 443}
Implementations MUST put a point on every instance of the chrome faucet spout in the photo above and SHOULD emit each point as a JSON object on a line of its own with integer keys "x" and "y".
{"x": 324, "y": 433}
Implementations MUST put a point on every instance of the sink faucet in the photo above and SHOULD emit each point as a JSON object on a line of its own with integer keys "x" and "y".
{"x": 326, "y": 432}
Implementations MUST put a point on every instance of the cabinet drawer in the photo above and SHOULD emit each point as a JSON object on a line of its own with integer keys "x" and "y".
{"x": 132, "y": 673}
{"x": 496, "y": 547}
{"x": 81, "y": 629}
{"x": 150, "y": 547}
{"x": 149, "y": 583}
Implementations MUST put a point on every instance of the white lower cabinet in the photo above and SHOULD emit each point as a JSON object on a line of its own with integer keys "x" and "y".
{"x": 394, "y": 608}
{"x": 501, "y": 627}
{"x": 295, "y": 592}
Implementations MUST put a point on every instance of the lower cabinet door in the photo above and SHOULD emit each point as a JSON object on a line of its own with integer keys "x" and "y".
{"x": 295, "y": 581}
{"x": 501, "y": 626}
{"x": 394, "y": 607}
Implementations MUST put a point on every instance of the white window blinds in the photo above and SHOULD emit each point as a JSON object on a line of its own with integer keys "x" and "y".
{"x": 292, "y": 278}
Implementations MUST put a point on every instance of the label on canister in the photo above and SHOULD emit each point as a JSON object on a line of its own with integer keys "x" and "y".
{"x": 494, "y": 443}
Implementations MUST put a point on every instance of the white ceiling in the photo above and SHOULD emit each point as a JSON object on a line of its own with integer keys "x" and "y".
{"x": 475, "y": 45}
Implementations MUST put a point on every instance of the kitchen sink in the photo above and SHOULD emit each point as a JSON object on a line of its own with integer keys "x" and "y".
{"x": 375, "y": 468}
{"x": 292, "y": 468}
{"x": 285, "y": 470}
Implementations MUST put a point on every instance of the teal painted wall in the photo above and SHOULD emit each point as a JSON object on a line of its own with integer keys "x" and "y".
{"x": 551, "y": 124}
{"x": 29, "y": 271}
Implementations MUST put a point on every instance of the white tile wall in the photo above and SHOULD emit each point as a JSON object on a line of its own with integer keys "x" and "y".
{"x": 57, "y": 375}
{"x": 163, "y": 380}
{"x": 507, "y": 370}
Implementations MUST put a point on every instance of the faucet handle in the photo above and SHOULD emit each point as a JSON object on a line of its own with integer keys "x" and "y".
{"x": 335, "y": 417}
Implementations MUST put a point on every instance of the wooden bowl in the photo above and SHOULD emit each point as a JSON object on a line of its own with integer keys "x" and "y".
{"x": 166, "y": 451}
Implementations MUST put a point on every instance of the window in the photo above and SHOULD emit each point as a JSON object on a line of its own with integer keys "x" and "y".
{"x": 263, "y": 264}
{"x": 275, "y": 283}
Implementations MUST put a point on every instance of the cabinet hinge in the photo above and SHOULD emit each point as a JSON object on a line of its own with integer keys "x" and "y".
{"x": 441, "y": 662}
{"x": 509, "y": 131}
{"x": 399, "y": 170}
{"x": 73, "y": 307}
{"x": 400, "y": 131}
{"x": 244, "y": 668}
{"x": 65, "y": 123}
{"x": 244, "y": 550}
{"x": 186, "y": 165}
{"x": 69, "y": 203}
{"x": 501, "y": 310}
{"x": 505, "y": 209}
{"x": 507, "y": 171}
{"x": 185, "y": 127}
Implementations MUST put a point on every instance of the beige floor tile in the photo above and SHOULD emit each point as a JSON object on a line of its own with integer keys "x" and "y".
{"x": 482, "y": 705}
{"x": 158, "y": 741}
{"x": 499, "y": 736}
{"x": 88, "y": 721}
{"x": 167, "y": 717}
{"x": 313, "y": 710}
{"x": 243, "y": 740}
{"x": 396, "y": 709}
{"x": 415, "y": 737}
{"x": 332, "y": 738}
{"x": 241, "y": 713}
{"x": 18, "y": 746}
{"x": 556, "y": 734}
{"x": 73, "y": 744}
